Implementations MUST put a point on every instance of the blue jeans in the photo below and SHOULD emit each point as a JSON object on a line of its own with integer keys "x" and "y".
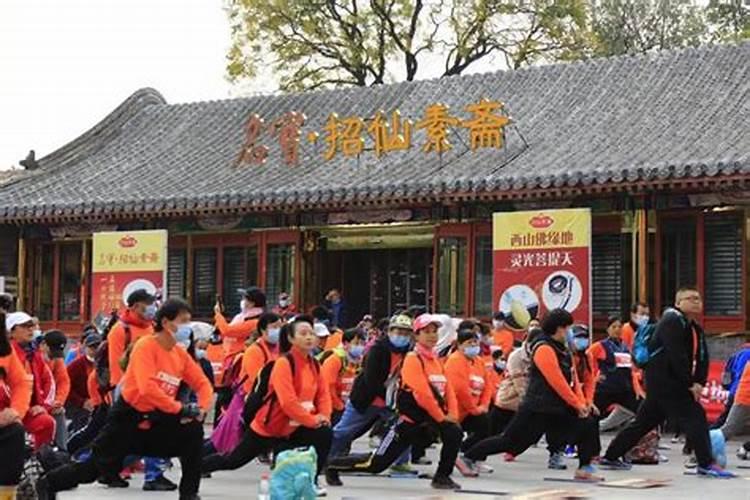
{"x": 155, "y": 468}
{"x": 354, "y": 424}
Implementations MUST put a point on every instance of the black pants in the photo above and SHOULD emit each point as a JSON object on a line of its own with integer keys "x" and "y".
{"x": 122, "y": 436}
{"x": 684, "y": 411}
{"x": 86, "y": 435}
{"x": 252, "y": 445}
{"x": 603, "y": 400}
{"x": 78, "y": 416}
{"x": 400, "y": 437}
{"x": 499, "y": 420}
{"x": 12, "y": 443}
{"x": 477, "y": 427}
{"x": 528, "y": 426}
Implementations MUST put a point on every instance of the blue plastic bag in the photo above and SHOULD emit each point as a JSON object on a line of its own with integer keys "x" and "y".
{"x": 718, "y": 447}
{"x": 293, "y": 476}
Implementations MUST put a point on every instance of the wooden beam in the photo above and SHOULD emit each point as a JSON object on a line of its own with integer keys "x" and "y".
{"x": 642, "y": 221}
{"x": 21, "y": 275}
{"x": 189, "y": 270}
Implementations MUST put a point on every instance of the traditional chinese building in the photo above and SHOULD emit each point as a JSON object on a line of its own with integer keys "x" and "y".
{"x": 388, "y": 192}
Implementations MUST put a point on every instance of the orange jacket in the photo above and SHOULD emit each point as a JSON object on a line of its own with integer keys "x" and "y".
{"x": 339, "y": 379}
{"x": 334, "y": 340}
{"x": 546, "y": 361}
{"x": 62, "y": 380}
{"x": 154, "y": 375}
{"x": 93, "y": 387}
{"x": 742, "y": 396}
{"x": 298, "y": 397}
{"x": 468, "y": 377}
{"x": 586, "y": 376}
{"x": 254, "y": 359}
{"x": 15, "y": 387}
{"x": 234, "y": 335}
{"x": 215, "y": 354}
{"x": 416, "y": 379}
{"x": 117, "y": 347}
{"x": 628, "y": 335}
{"x": 504, "y": 339}
{"x": 493, "y": 378}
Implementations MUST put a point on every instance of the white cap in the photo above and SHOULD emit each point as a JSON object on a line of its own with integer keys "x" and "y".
{"x": 12, "y": 320}
{"x": 321, "y": 330}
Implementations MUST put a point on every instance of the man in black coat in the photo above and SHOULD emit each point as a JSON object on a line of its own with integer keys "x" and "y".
{"x": 675, "y": 376}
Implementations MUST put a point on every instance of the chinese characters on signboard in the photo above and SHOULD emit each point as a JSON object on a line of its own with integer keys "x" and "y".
{"x": 124, "y": 262}
{"x": 348, "y": 136}
{"x": 541, "y": 262}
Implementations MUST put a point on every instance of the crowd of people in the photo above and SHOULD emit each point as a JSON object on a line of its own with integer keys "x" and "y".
{"x": 137, "y": 391}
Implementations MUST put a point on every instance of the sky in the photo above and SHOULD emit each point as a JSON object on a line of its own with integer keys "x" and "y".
{"x": 65, "y": 64}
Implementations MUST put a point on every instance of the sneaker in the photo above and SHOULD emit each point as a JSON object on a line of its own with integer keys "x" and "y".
{"x": 332, "y": 478}
{"x": 114, "y": 482}
{"x": 663, "y": 447}
{"x": 556, "y": 461}
{"x": 444, "y": 483}
{"x": 587, "y": 473}
{"x": 663, "y": 459}
{"x": 607, "y": 464}
{"x": 162, "y": 483}
{"x": 483, "y": 468}
{"x": 42, "y": 490}
{"x": 320, "y": 491}
{"x": 691, "y": 463}
{"x": 402, "y": 469}
{"x": 571, "y": 452}
{"x": 509, "y": 457}
{"x": 422, "y": 461}
{"x": 743, "y": 454}
{"x": 715, "y": 471}
{"x": 265, "y": 458}
{"x": 466, "y": 467}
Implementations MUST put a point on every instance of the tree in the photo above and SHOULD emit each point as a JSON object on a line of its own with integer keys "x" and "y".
{"x": 639, "y": 26}
{"x": 316, "y": 43}
{"x": 729, "y": 20}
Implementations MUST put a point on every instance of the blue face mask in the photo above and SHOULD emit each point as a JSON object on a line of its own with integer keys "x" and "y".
{"x": 150, "y": 312}
{"x": 399, "y": 341}
{"x": 356, "y": 351}
{"x": 472, "y": 351}
{"x": 273, "y": 335}
{"x": 569, "y": 336}
{"x": 581, "y": 343}
{"x": 200, "y": 353}
{"x": 182, "y": 336}
{"x": 500, "y": 365}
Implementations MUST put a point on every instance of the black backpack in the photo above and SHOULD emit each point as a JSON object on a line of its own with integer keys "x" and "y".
{"x": 259, "y": 396}
{"x": 101, "y": 359}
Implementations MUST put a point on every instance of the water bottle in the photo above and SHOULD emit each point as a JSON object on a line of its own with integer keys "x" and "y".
{"x": 264, "y": 487}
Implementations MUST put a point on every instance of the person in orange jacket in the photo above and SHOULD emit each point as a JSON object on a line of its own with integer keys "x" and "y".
{"x": 340, "y": 366}
{"x": 135, "y": 323}
{"x": 554, "y": 402}
{"x": 640, "y": 314}
{"x": 467, "y": 375}
{"x": 428, "y": 409}
{"x": 264, "y": 350}
{"x": 53, "y": 348}
{"x": 297, "y": 410}
{"x": 235, "y": 334}
{"x": 15, "y": 399}
{"x": 149, "y": 418}
{"x": 503, "y": 336}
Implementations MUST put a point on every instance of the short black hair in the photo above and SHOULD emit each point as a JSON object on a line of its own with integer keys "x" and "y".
{"x": 467, "y": 324}
{"x": 554, "y": 319}
{"x": 6, "y": 302}
{"x": 5, "y": 348}
{"x": 302, "y": 318}
{"x": 170, "y": 310}
{"x": 485, "y": 328}
{"x": 266, "y": 319}
{"x": 613, "y": 319}
{"x": 285, "y": 344}
{"x": 256, "y": 295}
{"x": 465, "y": 334}
{"x": 321, "y": 313}
{"x": 354, "y": 333}
{"x": 415, "y": 311}
{"x": 634, "y": 307}
{"x": 534, "y": 335}
{"x": 499, "y": 316}
{"x": 140, "y": 295}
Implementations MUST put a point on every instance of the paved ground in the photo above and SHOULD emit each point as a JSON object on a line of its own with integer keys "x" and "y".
{"x": 514, "y": 479}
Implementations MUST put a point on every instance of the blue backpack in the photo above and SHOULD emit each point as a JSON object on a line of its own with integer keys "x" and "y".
{"x": 644, "y": 349}
{"x": 293, "y": 476}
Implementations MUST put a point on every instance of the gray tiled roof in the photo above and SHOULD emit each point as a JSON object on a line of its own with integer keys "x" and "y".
{"x": 648, "y": 118}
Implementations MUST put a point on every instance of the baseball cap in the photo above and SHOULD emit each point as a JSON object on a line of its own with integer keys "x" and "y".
{"x": 56, "y": 341}
{"x": 401, "y": 321}
{"x": 580, "y": 330}
{"x": 12, "y": 320}
{"x": 140, "y": 295}
{"x": 426, "y": 319}
{"x": 92, "y": 340}
{"x": 321, "y": 330}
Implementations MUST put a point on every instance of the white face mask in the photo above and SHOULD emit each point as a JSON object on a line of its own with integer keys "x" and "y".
{"x": 243, "y": 304}
{"x": 283, "y": 303}
{"x": 496, "y": 324}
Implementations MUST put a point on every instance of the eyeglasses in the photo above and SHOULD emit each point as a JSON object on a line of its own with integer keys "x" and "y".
{"x": 693, "y": 298}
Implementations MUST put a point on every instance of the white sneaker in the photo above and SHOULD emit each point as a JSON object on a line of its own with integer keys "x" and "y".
{"x": 320, "y": 491}
{"x": 743, "y": 454}
{"x": 483, "y": 468}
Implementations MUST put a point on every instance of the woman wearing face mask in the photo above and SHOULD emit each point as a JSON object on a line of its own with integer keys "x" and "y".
{"x": 554, "y": 402}
{"x": 135, "y": 323}
{"x": 340, "y": 367}
{"x": 467, "y": 375}
{"x": 617, "y": 379}
{"x": 262, "y": 351}
{"x": 372, "y": 391}
{"x": 148, "y": 419}
{"x": 427, "y": 409}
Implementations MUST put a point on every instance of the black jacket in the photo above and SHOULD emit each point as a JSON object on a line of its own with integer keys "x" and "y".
{"x": 370, "y": 383}
{"x": 540, "y": 396}
{"x": 670, "y": 372}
